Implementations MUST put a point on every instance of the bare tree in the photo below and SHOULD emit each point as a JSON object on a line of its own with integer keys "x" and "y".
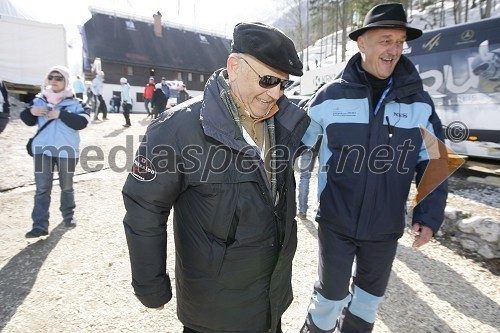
{"x": 457, "y": 11}
{"x": 300, "y": 26}
{"x": 296, "y": 18}
{"x": 345, "y": 21}
{"x": 442, "y": 16}
{"x": 466, "y": 18}
{"x": 337, "y": 17}
{"x": 485, "y": 7}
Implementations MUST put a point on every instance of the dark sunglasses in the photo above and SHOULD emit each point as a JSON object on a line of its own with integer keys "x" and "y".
{"x": 55, "y": 77}
{"x": 269, "y": 81}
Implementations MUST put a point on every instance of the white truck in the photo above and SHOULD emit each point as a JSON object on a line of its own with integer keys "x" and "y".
{"x": 460, "y": 69}
{"x": 28, "y": 49}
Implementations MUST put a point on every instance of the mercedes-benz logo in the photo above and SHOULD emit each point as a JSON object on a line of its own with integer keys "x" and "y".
{"x": 467, "y": 34}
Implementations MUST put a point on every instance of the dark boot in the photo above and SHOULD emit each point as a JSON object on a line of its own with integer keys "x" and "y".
{"x": 35, "y": 233}
{"x": 353, "y": 324}
{"x": 309, "y": 327}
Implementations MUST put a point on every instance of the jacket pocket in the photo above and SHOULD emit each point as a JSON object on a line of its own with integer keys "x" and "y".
{"x": 212, "y": 215}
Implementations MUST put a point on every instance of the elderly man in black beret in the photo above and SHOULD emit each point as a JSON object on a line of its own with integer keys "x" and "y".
{"x": 371, "y": 120}
{"x": 224, "y": 162}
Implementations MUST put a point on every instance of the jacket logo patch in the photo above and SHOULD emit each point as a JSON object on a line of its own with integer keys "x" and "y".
{"x": 143, "y": 169}
{"x": 341, "y": 113}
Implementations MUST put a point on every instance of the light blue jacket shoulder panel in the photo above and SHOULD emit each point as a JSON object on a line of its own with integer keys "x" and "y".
{"x": 367, "y": 162}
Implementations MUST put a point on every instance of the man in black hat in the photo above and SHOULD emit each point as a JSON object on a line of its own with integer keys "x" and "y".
{"x": 224, "y": 162}
{"x": 372, "y": 121}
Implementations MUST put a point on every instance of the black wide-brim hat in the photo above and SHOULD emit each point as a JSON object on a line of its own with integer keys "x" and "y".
{"x": 388, "y": 15}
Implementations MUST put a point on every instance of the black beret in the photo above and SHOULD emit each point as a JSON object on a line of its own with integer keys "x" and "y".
{"x": 267, "y": 44}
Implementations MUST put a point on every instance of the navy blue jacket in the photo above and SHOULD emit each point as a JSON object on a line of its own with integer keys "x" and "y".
{"x": 367, "y": 161}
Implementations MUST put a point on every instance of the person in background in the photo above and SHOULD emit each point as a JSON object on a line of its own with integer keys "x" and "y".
{"x": 307, "y": 161}
{"x": 78, "y": 87}
{"x": 98, "y": 103}
{"x": 234, "y": 209}
{"x": 4, "y": 107}
{"x": 115, "y": 102}
{"x": 58, "y": 144}
{"x": 90, "y": 97}
{"x": 127, "y": 101}
{"x": 159, "y": 101}
{"x": 112, "y": 104}
{"x": 182, "y": 96}
{"x": 370, "y": 120}
{"x": 148, "y": 95}
{"x": 165, "y": 88}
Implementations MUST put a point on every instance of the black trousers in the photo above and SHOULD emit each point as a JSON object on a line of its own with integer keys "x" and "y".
{"x": 336, "y": 256}
{"x": 99, "y": 105}
{"x": 335, "y": 268}
{"x": 126, "y": 112}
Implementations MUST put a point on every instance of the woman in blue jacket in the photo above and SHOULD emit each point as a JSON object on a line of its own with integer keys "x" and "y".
{"x": 56, "y": 145}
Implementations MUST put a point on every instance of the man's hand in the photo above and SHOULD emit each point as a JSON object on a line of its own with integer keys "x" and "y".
{"x": 421, "y": 233}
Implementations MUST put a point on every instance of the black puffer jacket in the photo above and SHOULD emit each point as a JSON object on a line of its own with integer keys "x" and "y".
{"x": 234, "y": 245}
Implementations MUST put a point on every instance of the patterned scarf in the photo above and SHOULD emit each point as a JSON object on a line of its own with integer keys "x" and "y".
{"x": 225, "y": 95}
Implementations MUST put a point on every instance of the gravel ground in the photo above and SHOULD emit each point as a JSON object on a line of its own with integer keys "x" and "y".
{"x": 79, "y": 280}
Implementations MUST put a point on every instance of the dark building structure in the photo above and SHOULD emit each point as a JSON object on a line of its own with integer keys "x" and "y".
{"x": 137, "y": 49}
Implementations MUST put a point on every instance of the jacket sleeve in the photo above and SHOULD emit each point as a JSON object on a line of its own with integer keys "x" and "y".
{"x": 431, "y": 177}
{"x": 149, "y": 192}
{"x": 78, "y": 120}
{"x": 27, "y": 117}
{"x": 315, "y": 129}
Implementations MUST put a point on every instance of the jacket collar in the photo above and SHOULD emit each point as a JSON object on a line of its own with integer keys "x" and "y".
{"x": 217, "y": 121}
{"x": 406, "y": 82}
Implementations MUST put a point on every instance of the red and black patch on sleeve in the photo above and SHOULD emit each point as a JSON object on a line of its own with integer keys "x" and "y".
{"x": 143, "y": 169}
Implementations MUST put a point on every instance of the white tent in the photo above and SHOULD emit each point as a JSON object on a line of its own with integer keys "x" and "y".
{"x": 28, "y": 48}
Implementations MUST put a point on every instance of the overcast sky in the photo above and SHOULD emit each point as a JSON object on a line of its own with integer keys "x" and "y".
{"x": 214, "y": 15}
